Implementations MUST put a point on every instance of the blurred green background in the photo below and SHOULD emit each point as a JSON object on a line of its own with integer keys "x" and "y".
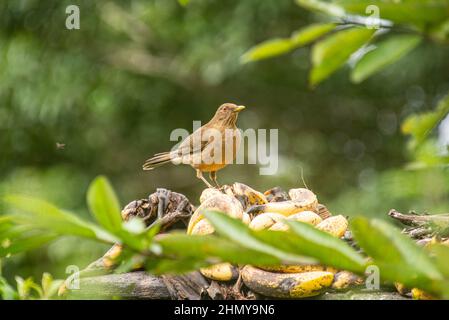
{"x": 113, "y": 91}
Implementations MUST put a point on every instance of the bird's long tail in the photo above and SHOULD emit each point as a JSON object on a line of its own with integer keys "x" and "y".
{"x": 157, "y": 160}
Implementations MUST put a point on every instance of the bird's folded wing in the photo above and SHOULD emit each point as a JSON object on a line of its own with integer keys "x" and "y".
{"x": 193, "y": 144}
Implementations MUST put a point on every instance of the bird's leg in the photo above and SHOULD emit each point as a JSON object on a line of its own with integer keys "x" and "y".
{"x": 199, "y": 175}
{"x": 213, "y": 177}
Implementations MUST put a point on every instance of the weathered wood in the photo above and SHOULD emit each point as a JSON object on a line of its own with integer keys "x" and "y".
{"x": 361, "y": 295}
{"x": 132, "y": 285}
{"x": 141, "y": 285}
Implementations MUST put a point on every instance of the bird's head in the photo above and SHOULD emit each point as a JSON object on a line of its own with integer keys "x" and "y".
{"x": 227, "y": 114}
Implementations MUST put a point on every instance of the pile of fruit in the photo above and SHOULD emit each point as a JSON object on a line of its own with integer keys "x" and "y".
{"x": 268, "y": 211}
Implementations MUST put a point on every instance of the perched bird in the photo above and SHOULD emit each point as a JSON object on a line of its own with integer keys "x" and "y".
{"x": 209, "y": 148}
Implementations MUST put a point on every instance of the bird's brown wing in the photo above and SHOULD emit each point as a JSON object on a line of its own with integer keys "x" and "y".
{"x": 193, "y": 146}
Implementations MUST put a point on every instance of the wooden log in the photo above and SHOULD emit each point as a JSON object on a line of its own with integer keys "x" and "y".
{"x": 132, "y": 285}
{"x": 140, "y": 285}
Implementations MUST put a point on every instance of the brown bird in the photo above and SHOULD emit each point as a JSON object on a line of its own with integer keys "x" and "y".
{"x": 209, "y": 148}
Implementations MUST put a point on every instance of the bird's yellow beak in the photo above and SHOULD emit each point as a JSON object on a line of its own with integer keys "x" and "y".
{"x": 239, "y": 108}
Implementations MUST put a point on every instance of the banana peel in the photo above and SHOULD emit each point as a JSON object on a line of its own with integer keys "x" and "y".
{"x": 221, "y": 272}
{"x": 286, "y": 285}
{"x": 344, "y": 280}
{"x": 220, "y": 202}
{"x": 418, "y": 294}
{"x": 335, "y": 225}
{"x": 265, "y": 220}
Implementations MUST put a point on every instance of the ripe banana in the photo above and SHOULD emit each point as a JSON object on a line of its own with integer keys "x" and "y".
{"x": 418, "y": 294}
{"x": 285, "y": 208}
{"x": 203, "y": 227}
{"x": 345, "y": 279}
{"x": 336, "y": 226}
{"x": 221, "y": 272}
{"x": 297, "y": 268}
{"x": 209, "y": 193}
{"x": 309, "y": 217}
{"x": 286, "y": 285}
{"x": 220, "y": 202}
{"x": 265, "y": 220}
{"x": 246, "y": 218}
{"x": 302, "y": 194}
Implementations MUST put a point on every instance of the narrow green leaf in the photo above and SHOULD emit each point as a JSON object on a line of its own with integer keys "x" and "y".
{"x": 212, "y": 247}
{"x": 386, "y": 53}
{"x": 398, "y": 257}
{"x": 441, "y": 256}
{"x": 23, "y": 242}
{"x": 104, "y": 205}
{"x": 174, "y": 266}
{"x": 7, "y": 292}
{"x": 43, "y": 215}
{"x": 279, "y": 46}
{"x": 238, "y": 232}
{"x": 310, "y": 33}
{"x": 419, "y": 126}
{"x": 267, "y": 49}
{"x": 330, "y": 54}
{"x": 326, "y": 248}
{"x": 417, "y": 12}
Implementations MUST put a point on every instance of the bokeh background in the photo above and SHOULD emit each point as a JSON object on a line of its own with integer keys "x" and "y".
{"x": 113, "y": 91}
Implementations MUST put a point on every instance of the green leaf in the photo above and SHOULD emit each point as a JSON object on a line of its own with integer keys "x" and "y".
{"x": 326, "y": 248}
{"x": 267, "y": 49}
{"x": 43, "y": 215}
{"x": 330, "y": 54}
{"x": 417, "y": 12}
{"x": 419, "y": 126}
{"x": 398, "y": 257}
{"x": 279, "y": 46}
{"x": 17, "y": 240}
{"x": 328, "y": 8}
{"x": 7, "y": 292}
{"x": 310, "y": 33}
{"x": 174, "y": 266}
{"x": 104, "y": 205}
{"x": 212, "y": 247}
{"x": 386, "y": 53}
{"x": 440, "y": 254}
{"x": 238, "y": 232}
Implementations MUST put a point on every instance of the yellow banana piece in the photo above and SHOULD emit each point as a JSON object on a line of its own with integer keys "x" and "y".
{"x": 246, "y": 218}
{"x": 297, "y": 268}
{"x": 309, "y": 217}
{"x": 209, "y": 193}
{"x": 203, "y": 227}
{"x": 220, "y": 272}
{"x": 265, "y": 220}
{"x": 335, "y": 225}
{"x": 302, "y": 194}
{"x": 418, "y": 294}
{"x": 345, "y": 279}
{"x": 220, "y": 202}
{"x": 285, "y": 208}
{"x": 286, "y": 285}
